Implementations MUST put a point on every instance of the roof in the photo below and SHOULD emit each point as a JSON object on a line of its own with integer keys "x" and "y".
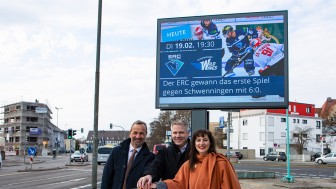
{"x": 327, "y": 107}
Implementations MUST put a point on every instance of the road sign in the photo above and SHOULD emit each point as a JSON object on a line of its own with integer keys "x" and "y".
{"x": 221, "y": 122}
{"x": 31, "y": 151}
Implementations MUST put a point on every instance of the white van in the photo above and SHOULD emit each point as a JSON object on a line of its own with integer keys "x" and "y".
{"x": 103, "y": 154}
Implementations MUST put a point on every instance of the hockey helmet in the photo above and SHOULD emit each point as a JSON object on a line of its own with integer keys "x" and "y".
{"x": 227, "y": 29}
{"x": 198, "y": 31}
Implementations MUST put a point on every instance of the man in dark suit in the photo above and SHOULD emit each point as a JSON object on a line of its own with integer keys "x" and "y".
{"x": 128, "y": 161}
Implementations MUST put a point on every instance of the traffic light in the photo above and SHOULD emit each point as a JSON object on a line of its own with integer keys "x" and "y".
{"x": 69, "y": 133}
{"x": 74, "y": 132}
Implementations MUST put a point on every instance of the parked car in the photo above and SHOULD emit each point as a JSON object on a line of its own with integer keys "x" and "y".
{"x": 0, "y": 160}
{"x": 329, "y": 158}
{"x": 276, "y": 156}
{"x": 77, "y": 156}
{"x": 103, "y": 154}
{"x": 158, "y": 147}
{"x": 235, "y": 154}
{"x": 314, "y": 156}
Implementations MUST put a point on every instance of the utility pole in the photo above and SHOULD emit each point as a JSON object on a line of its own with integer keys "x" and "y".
{"x": 57, "y": 108}
{"x": 96, "y": 101}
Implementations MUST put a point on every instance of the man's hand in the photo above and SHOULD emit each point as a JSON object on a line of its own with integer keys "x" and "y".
{"x": 145, "y": 182}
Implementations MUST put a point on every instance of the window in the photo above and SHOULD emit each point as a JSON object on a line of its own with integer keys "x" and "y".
{"x": 244, "y": 122}
{"x": 18, "y": 107}
{"x": 245, "y": 136}
{"x": 270, "y": 136}
{"x": 289, "y": 108}
{"x": 245, "y": 148}
{"x": 304, "y": 121}
{"x": 17, "y": 139}
{"x": 262, "y": 121}
{"x": 32, "y": 119}
{"x": 294, "y": 120}
{"x": 304, "y": 135}
{"x": 318, "y": 138}
{"x": 262, "y": 136}
{"x": 17, "y": 128}
{"x": 262, "y": 152}
{"x": 308, "y": 110}
{"x": 31, "y": 107}
{"x": 283, "y": 119}
{"x": 294, "y": 108}
{"x": 318, "y": 125}
{"x": 295, "y": 135}
{"x": 283, "y": 134}
{"x": 271, "y": 121}
{"x": 297, "y": 121}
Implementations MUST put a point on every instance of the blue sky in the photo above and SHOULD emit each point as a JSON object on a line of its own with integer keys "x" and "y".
{"x": 48, "y": 52}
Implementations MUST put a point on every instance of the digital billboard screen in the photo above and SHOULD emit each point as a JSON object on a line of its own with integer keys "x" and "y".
{"x": 228, "y": 61}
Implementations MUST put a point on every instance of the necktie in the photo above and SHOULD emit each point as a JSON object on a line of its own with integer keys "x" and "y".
{"x": 129, "y": 165}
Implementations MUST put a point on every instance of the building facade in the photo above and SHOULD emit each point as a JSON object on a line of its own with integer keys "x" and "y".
{"x": 27, "y": 124}
{"x": 265, "y": 129}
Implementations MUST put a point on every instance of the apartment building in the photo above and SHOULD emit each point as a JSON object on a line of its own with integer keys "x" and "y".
{"x": 265, "y": 129}
{"x": 27, "y": 124}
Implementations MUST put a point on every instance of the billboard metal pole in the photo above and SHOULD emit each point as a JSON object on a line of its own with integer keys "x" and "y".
{"x": 288, "y": 178}
{"x": 96, "y": 101}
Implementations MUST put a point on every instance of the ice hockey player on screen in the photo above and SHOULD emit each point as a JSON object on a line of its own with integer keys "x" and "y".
{"x": 269, "y": 56}
{"x": 210, "y": 29}
{"x": 238, "y": 43}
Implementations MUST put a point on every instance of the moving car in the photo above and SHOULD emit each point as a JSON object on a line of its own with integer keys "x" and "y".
{"x": 276, "y": 156}
{"x": 103, "y": 154}
{"x": 77, "y": 156}
{"x": 314, "y": 156}
{"x": 329, "y": 158}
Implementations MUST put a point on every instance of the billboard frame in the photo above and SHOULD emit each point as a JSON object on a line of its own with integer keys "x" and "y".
{"x": 221, "y": 104}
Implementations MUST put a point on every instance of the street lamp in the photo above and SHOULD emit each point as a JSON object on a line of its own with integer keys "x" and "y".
{"x": 111, "y": 126}
{"x": 57, "y": 108}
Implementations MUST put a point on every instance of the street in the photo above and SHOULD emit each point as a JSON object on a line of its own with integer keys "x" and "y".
{"x": 53, "y": 174}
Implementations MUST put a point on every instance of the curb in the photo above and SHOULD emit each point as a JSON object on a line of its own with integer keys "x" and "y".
{"x": 255, "y": 175}
{"x": 41, "y": 169}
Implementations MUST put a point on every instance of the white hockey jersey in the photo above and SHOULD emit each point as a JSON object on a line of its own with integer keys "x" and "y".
{"x": 267, "y": 54}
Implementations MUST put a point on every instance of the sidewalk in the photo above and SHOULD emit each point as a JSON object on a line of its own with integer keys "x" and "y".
{"x": 299, "y": 183}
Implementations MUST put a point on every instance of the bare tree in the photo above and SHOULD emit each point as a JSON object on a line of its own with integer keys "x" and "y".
{"x": 331, "y": 118}
{"x": 162, "y": 123}
{"x": 300, "y": 137}
{"x": 219, "y": 137}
